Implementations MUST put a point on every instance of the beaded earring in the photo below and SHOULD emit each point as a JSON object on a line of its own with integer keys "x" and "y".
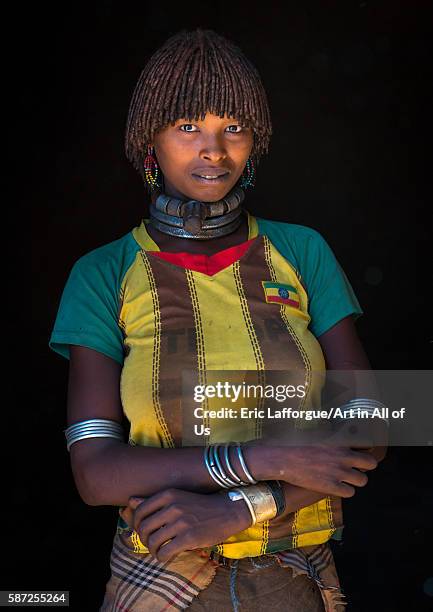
{"x": 248, "y": 178}
{"x": 151, "y": 169}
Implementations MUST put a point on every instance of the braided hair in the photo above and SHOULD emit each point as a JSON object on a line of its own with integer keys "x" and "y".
{"x": 191, "y": 74}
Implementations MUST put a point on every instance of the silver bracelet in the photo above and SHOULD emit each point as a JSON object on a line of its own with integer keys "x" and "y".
{"x": 93, "y": 428}
{"x": 214, "y": 467}
{"x": 216, "y": 470}
{"x": 229, "y": 482}
{"x": 229, "y": 467}
{"x": 362, "y": 403}
{"x": 244, "y": 465}
{"x": 213, "y": 473}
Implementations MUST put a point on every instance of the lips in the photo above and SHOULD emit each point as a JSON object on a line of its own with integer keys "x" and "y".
{"x": 223, "y": 178}
{"x": 208, "y": 171}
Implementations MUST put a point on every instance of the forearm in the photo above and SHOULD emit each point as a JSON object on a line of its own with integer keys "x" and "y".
{"x": 297, "y": 497}
{"x": 118, "y": 471}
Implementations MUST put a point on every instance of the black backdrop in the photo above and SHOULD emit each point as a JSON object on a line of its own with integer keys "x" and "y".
{"x": 347, "y": 84}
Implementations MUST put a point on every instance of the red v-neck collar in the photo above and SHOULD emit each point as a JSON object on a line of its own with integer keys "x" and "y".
{"x": 206, "y": 264}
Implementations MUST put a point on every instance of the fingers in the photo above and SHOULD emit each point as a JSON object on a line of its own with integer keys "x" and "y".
{"x": 338, "y": 488}
{"x": 363, "y": 460}
{"x": 164, "y": 535}
{"x": 347, "y": 480}
{"x": 149, "y": 515}
{"x": 134, "y": 500}
{"x": 148, "y": 519}
{"x": 145, "y": 526}
{"x": 127, "y": 514}
{"x": 354, "y": 477}
{"x": 147, "y": 507}
{"x": 168, "y": 551}
{"x": 177, "y": 545}
{"x": 345, "y": 490}
{"x": 160, "y": 537}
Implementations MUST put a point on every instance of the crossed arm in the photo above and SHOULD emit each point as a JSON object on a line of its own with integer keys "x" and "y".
{"x": 109, "y": 473}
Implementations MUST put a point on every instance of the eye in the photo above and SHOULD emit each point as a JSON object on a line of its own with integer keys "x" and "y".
{"x": 235, "y": 126}
{"x": 190, "y": 127}
{"x": 187, "y": 125}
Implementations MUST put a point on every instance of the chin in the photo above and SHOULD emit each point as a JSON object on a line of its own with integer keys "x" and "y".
{"x": 210, "y": 198}
{"x": 208, "y": 191}
{"x": 210, "y": 194}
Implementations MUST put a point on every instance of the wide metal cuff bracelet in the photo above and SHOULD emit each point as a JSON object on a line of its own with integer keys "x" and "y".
{"x": 260, "y": 501}
{"x": 93, "y": 428}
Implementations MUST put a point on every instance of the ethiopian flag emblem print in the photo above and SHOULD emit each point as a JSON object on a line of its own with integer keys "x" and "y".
{"x": 279, "y": 293}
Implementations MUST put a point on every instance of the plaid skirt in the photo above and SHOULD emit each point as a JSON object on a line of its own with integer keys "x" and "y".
{"x": 297, "y": 580}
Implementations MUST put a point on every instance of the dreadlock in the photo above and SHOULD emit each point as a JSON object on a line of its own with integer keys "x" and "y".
{"x": 191, "y": 74}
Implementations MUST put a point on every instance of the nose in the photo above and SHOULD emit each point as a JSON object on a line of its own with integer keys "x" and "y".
{"x": 213, "y": 150}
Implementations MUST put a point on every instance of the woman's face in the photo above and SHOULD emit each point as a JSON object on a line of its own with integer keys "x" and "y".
{"x": 189, "y": 150}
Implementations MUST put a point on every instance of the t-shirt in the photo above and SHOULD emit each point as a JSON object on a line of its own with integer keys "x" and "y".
{"x": 256, "y": 308}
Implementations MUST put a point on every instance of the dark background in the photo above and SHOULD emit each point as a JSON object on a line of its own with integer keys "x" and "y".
{"x": 347, "y": 84}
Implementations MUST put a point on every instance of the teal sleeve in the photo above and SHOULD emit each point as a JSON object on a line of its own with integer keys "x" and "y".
{"x": 88, "y": 310}
{"x": 331, "y": 297}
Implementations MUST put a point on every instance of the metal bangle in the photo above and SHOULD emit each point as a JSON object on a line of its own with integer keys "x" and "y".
{"x": 263, "y": 501}
{"x": 93, "y": 423}
{"x": 244, "y": 466}
{"x": 93, "y": 435}
{"x": 212, "y": 473}
{"x": 368, "y": 405}
{"x": 214, "y": 466}
{"x": 229, "y": 467}
{"x": 229, "y": 482}
{"x": 71, "y": 431}
{"x": 93, "y": 428}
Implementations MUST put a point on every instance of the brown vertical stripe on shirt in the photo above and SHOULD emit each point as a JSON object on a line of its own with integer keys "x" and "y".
{"x": 178, "y": 341}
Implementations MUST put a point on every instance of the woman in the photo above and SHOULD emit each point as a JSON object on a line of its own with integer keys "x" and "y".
{"x": 204, "y": 287}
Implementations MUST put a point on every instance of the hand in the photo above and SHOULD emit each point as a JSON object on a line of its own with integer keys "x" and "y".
{"x": 329, "y": 466}
{"x": 185, "y": 520}
{"x": 373, "y": 430}
{"x": 326, "y": 469}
